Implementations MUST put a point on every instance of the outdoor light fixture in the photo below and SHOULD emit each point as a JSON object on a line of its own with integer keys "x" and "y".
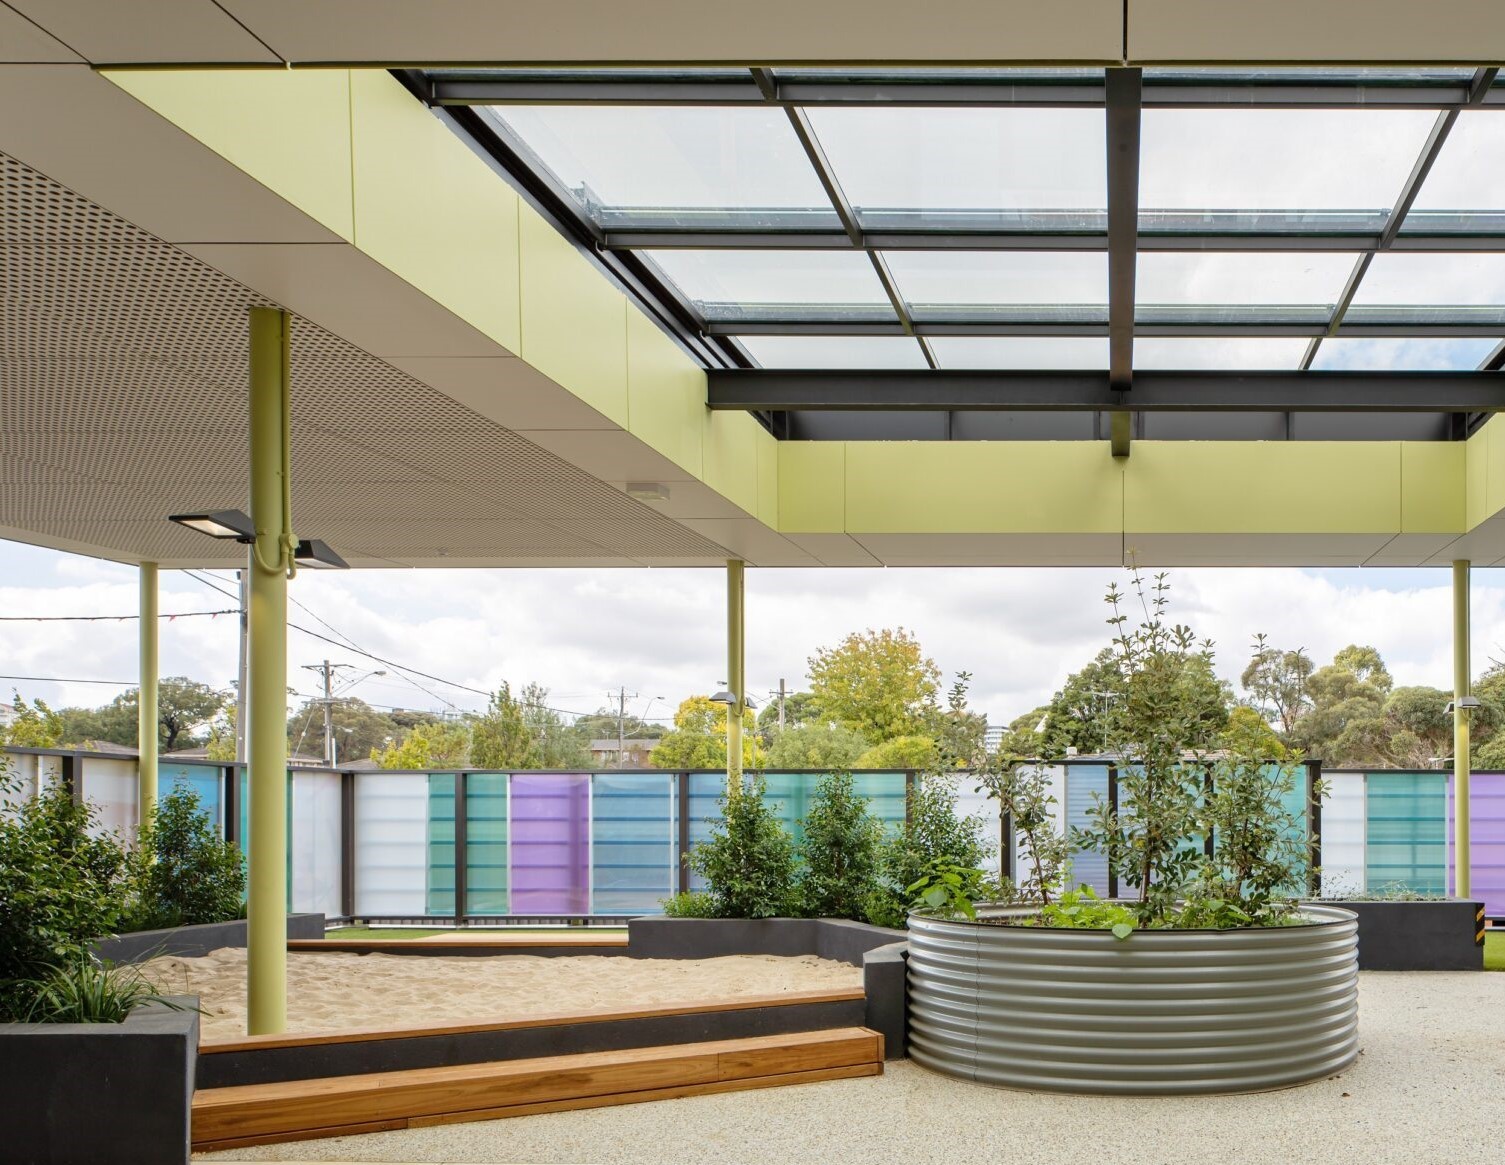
{"x": 648, "y": 491}
{"x": 1462, "y": 703}
{"x": 726, "y": 697}
{"x": 317, "y": 555}
{"x": 219, "y": 524}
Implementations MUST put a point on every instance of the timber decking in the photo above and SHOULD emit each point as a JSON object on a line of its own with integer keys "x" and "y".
{"x": 461, "y": 942}
{"x": 296, "y": 1110}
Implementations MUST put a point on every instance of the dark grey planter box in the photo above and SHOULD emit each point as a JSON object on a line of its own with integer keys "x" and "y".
{"x": 193, "y": 942}
{"x": 1438, "y": 935}
{"x": 880, "y": 953}
{"x": 81, "y": 1093}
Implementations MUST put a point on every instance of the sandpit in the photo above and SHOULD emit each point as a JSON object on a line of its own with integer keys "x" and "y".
{"x": 335, "y": 991}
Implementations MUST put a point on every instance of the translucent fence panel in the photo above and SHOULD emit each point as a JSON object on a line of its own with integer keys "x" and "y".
{"x": 486, "y": 843}
{"x": 1406, "y": 842}
{"x": 110, "y": 786}
{"x": 1486, "y": 800}
{"x": 391, "y": 845}
{"x": 315, "y": 844}
{"x": 205, "y": 780}
{"x": 793, "y": 792}
{"x": 971, "y": 803}
{"x": 1344, "y": 812}
{"x": 706, "y": 791}
{"x": 441, "y": 843}
{"x": 1085, "y": 784}
{"x": 634, "y": 834}
{"x": 550, "y": 843}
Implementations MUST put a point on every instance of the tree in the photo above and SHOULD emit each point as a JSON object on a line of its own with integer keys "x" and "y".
{"x": 221, "y": 745}
{"x": 183, "y": 707}
{"x": 878, "y": 683}
{"x": 1277, "y": 682}
{"x": 799, "y": 710}
{"x": 358, "y": 727}
{"x": 428, "y": 746}
{"x": 815, "y": 746}
{"x": 557, "y": 745}
{"x": 499, "y": 737}
{"x": 698, "y": 740}
{"x": 749, "y": 862}
{"x": 1247, "y": 729}
{"x": 840, "y": 851}
{"x": 1345, "y": 723}
{"x": 903, "y": 752}
{"x": 959, "y": 732}
{"x": 33, "y": 725}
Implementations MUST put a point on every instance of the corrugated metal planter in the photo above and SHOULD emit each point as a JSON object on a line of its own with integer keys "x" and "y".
{"x": 1162, "y": 1013}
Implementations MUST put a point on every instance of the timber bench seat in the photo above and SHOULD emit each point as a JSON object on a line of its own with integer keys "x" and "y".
{"x": 329, "y": 1106}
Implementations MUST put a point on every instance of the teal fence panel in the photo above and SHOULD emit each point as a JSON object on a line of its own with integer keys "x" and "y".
{"x": 205, "y": 780}
{"x": 486, "y": 843}
{"x": 1085, "y": 785}
{"x": 1406, "y": 839}
{"x": 634, "y": 834}
{"x": 441, "y": 843}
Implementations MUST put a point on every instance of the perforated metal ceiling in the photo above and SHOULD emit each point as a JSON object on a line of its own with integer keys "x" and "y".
{"x": 122, "y": 365}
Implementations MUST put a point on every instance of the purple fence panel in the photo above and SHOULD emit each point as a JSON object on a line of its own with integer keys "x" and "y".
{"x": 1486, "y": 800}
{"x": 549, "y": 850}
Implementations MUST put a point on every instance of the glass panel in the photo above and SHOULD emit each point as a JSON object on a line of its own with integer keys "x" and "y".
{"x": 971, "y": 803}
{"x": 1343, "y": 811}
{"x": 1406, "y": 843}
{"x": 1322, "y": 170}
{"x": 834, "y": 351}
{"x": 1294, "y": 802}
{"x": 1486, "y": 801}
{"x": 1043, "y": 285}
{"x": 441, "y": 880}
{"x": 486, "y": 843}
{"x": 1083, "y": 784}
{"x": 1402, "y": 355}
{"x": 201, "y": 779}
{"x": 1216, "y": 352}
{"x": 391, "y": 845}
{"x": 1464, "y": 191}
{"x": 1042, "y": 352}
{"x": 314, "y": 846}
{"x": 108, "y": 785}
{"x": 1216, "y": 278}
{"x": 706, "y": 792}
{"x": 968, "y": 169}
{"x": 633, "y": 836}
{"x": 550, "y": 843}
{"x": 757, "y": 285}
{"x": 712, "y": 167}
{"x": 1455, "y": 287}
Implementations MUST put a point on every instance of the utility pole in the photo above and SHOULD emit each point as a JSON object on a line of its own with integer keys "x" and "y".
{"x": 781, "y": 705}
{"x": 622, "y": 698}
{"x": 327, "y": 669}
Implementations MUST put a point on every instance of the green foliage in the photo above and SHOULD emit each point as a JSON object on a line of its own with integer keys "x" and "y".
{"x": 749, "y": 862}
{"x": 878, "y": 684}
{"x": 182, "y": 872}
{"x": 84, "y": 990}
{"x": 920, "y": 753}
{"x": 839, "y": 851}
{"x": 1081, "y": 909}
{"x": 933, "y": 831}
{"x": 33, "y": 725}
{"x": 499, "y": 738}
{"x": 690, "y": 904}
{"x": 815, "y": 746}
{"x": 1022, "y": 790}
{"x": 948, "y": 890}
{"x": 427, "y": 746}
{"x": 1278, "y": 682}
{"x": 358, "y": 727}
{"x": 698, "y": 740}
{"x": 59, "y": 887}
{"x": 557, "y": 745}
{"x": 799, "y": 710}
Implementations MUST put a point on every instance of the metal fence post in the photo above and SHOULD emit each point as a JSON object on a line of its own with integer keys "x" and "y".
{"x": 684, "y": 830}
{"x": 1314, "y": 828}
{"x": 462, "y": 856}
{"x": 347, "y": 845}
{"x": 1113, "y": 813}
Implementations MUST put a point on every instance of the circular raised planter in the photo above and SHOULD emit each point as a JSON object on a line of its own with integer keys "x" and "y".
{"x": 1161, "y": 1013}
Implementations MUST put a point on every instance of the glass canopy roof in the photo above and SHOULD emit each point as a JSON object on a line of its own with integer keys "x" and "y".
{"x": 987, "y": 218}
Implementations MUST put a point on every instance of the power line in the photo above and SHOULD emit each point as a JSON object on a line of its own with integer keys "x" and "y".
{"x": 105, "y": 618}
{"x": 61, "y": 680}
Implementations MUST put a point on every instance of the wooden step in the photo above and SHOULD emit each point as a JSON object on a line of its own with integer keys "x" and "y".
{"x": 226, "y": 1118}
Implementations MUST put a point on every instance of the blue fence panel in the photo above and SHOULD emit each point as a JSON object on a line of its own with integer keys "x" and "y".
{"x": 634, "y": 835}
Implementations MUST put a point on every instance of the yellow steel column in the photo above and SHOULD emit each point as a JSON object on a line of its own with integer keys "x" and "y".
{"x": 1461, "y": 686}
{"x": 146, "y": 702}
{"x": 736, "y": 681}
{"x": 271, "y": 557}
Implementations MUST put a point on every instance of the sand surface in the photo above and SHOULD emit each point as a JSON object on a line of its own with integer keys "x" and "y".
{"x": 331, "y": 991}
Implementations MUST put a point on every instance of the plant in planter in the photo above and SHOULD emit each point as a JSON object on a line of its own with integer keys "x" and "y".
{"x": 182, "y": 872}
{"x": 749, "y": 862}
{"x": 839, "y": 851}
{"x": 1208, "y": 977}
{"x": 932, "y": 830}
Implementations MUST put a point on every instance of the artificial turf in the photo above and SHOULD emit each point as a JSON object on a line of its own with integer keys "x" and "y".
{"x": 1494, "y": 951}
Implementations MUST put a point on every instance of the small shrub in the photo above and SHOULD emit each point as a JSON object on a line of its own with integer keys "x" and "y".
{"x": 748, "y": 863}
{"x": 933, "y": 830}
{"x": 59, "y": 888}
{"x": 182, "y": 871}
{"x": 86, "y": 990}
{"x": 840, "y": 851}
{"x": 948, "y": 890}
{"x": 690, "y": 904}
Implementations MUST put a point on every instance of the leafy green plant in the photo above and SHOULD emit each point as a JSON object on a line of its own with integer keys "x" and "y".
{"x": 690, "y": 904}
{"x": 947, "y": 889}
{"x": 59, "y": 886}
{"x": 1022, "y": 790}
{"x": 182, "y": 871}
{"x": 749, "y": 862}
{"x": 932, "y": 830}
{"x": 86, "y": 990}
{"x": 1081, "y": 909}
{"x": 839, "y": 851}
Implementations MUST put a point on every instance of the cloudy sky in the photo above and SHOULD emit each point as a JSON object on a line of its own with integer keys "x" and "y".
{"x": 660, "y": 633}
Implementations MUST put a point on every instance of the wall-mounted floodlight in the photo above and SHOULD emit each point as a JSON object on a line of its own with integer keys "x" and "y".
{"x": 219, "y": 524}
{"x": 726, "y": 697}
{"x": 317, "y": 555}
{"x": 1463, "y": 702}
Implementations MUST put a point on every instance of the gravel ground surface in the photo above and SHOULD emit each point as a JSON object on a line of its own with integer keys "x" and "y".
{"x": 1428, "y": 1089}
